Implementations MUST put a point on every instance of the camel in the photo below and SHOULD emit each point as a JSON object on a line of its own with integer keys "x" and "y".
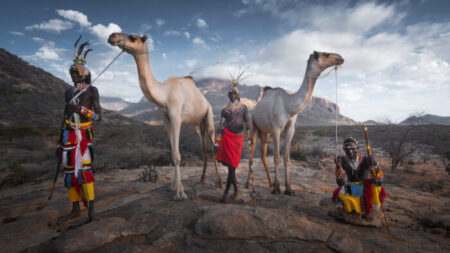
{"x": 277, "y": 109}
{"x": 178, "y": 100}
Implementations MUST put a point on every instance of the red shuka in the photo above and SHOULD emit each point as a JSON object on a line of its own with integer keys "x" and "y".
{"x": 230, "y": 148}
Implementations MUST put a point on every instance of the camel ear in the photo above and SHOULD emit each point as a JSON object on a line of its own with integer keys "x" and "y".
{"x": 316, "y": 55}
{"x": 144, "y": 38}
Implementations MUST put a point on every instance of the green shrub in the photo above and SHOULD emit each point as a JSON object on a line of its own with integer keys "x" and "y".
{"x": 447, "y": 155}
{"x": 12, "y": 132}
{"x": 14, "y": 165}
{"x": 298, "y": 154}
{"x": 317, "y": 152}
{"x": 18, "y": 174}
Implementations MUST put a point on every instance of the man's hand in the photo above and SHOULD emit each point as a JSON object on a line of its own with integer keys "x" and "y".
{"x": 216, "y": 147}
{"x": 373, "y": 162}
{"x": 338, "y": 161}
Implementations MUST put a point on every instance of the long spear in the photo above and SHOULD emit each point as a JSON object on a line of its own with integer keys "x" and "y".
{"x": 369, "y": 152}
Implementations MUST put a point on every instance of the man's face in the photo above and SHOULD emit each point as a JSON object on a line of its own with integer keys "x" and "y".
{"x": 75, "y": 77}
{"x": 232, "y": 95}
{"x": 351, "y": 153}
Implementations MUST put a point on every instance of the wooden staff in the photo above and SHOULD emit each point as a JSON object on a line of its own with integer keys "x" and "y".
{"x": 369, "y": 152}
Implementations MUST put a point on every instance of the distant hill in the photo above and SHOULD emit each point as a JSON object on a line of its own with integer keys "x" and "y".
{"x": 32, "y": 96}
{"x": 428, "y": 119}
{"x": 113, "y": 104}
{"x": 319, "y": 111}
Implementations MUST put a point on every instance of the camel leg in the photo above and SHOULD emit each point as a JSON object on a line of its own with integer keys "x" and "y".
{"x": 276, "y": 160}
{"x": 265, "y": 163}
{"x": 210, "y": 134}
{"x": 254, "y": 140}
{"x": 169, "y": 130}
{"x": 176, "y": 126}
{"x": 200, "y": 133}
{"x": 289, "y": 134}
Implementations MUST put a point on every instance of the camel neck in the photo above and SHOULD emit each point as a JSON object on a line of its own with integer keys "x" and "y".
{"x": 149, "y": 85}
{"x": 300, "y": 99}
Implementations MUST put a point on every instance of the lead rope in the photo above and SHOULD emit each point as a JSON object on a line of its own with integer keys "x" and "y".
{"x": 338, "y": 152}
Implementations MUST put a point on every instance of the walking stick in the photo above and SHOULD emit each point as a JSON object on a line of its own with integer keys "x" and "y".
{"x": 369, "y": 152}
{"x": 54, "y": 180}
{"x": 250, "y": 163}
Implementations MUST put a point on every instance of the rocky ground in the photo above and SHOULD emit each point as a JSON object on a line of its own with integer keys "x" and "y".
{"x": 136, "y": 216}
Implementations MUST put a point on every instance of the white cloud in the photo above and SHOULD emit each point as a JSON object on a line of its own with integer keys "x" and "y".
{"x": 190, "y": 62}
{"x": 150, "y": 43}
{"x": 187, "y": 35}
{"x": 103, "y": 32}
{"x": 160, "y": 22}
{"x": 16, "y": 33}
{"x": 164, "y": 56}
{"x": 199, "y": 41}
{"x": 172, "y": 32}
{"x": 75, "y": 16}
{"x": 201, "y": 23}
{"x": 53, "y": 25}
{"x": 47, "y": 52}
{"x": 145, "y": 27}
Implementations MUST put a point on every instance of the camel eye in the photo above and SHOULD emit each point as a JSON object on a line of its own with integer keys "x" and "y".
{"x": 131, "y": 38}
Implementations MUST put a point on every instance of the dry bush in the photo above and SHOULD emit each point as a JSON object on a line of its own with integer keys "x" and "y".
{"x": 317, "y": 151}
{"x": 297, "y": 153}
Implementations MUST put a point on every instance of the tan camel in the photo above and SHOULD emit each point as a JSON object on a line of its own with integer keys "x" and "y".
{"x": 179, "y": 101}
{"x": 277, "y": 110}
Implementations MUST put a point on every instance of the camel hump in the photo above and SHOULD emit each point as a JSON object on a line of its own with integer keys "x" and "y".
{"x": 189, "y": 77}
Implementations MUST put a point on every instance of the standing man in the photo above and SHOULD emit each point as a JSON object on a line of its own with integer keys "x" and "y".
{"x": 361, "y": 189}
{"x": 74, "y": 148}
{"x": 230, "y": 137}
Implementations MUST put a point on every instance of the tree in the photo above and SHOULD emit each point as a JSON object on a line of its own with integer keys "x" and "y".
{"x": 397, "y": 140}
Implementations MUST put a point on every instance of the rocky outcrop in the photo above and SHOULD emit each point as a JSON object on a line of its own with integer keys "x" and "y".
{"x": 246, "y": 223}
{"x": 319, "y": 112}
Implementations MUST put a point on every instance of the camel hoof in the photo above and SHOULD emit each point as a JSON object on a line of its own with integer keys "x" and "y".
{"x": 180, "y": 196}
{"x": 219, "y": 184}
{"x": 202, "y": 182}
{"x": 276, "y": 190}
{"x": 271, "y": 185}
{"x": 289, "y": 192}
{"x": 246, "y": 185}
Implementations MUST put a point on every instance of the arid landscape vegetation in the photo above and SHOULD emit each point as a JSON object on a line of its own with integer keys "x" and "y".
{"x": 134, "y": 215}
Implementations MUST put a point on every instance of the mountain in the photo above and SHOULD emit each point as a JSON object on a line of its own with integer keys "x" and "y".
{"x": 428, "y": 119}
{"x": 28, "y": 94}
{"x": 319, "y": 111}
{"x": 113, "y": 104}
{"x": 32, "y": 96}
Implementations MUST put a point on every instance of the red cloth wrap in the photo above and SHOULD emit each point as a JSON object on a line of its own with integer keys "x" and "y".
{"x": 72, "y": 138}
{"x": 230, "y": 148}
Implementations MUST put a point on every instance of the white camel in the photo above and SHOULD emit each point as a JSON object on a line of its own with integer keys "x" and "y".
{"x": 277, "y": 110}
{"x": 178, "y": 100}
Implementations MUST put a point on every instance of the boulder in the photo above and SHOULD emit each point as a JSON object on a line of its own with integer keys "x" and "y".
{"x": 244, "y": 222}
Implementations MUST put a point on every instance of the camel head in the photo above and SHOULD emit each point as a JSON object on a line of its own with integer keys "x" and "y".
{"x": 324, "y": 60}
{"x": 130, "y": 43}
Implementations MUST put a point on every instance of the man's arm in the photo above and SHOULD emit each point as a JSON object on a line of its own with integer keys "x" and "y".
{"x": 377, "y": 174}
{"x": 219, "y": 130}
{"x": 95, "y": 112}
{"x": 340, "y": 174}
{"x": 96, "y": 103}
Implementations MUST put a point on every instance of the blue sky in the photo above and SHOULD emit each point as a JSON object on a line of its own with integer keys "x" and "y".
{"x": 397, "y": 53}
